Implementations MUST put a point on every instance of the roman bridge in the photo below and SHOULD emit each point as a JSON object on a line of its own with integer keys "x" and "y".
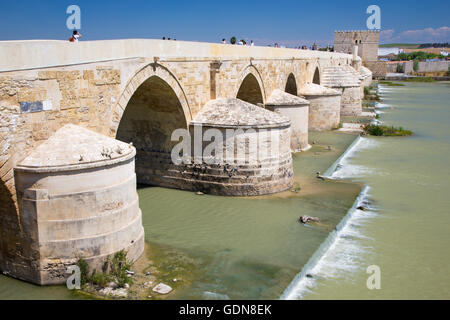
{"x": 68, "y": 182}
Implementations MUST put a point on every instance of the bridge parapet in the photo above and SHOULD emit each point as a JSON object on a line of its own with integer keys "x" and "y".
{"x": 31, "y": 54}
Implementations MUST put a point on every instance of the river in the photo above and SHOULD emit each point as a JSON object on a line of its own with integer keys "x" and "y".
{"x": 406, "y": 232}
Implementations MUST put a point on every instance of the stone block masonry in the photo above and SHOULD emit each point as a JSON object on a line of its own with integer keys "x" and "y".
{"x": 366, "y": 40}
{"x": 251, "y": 154}
{"x": 297, "y": 110}
{"x": 346, "y": 80}
{"x": 76, "y": 200}
{"x": 325, "y": 107}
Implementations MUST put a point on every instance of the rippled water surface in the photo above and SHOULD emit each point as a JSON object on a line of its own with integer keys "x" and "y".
{"x": 406, "y": 231}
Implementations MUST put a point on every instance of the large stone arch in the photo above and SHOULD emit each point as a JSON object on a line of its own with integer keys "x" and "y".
{"x": 291, "y": 85}
{"x": 142, "y": 75}
{"x": 250, "y": 86}
{"x": 156, "y": 108}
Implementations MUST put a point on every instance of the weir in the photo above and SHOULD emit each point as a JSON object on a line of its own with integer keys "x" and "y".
{"x": 140, "y": 91}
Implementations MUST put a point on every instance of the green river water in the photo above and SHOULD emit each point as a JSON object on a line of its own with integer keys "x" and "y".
{"x": 407, "y": 235}
{"x": 254, "y": 248}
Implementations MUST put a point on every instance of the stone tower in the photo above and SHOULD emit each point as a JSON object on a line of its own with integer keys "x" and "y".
{"x": 367, "y": 42}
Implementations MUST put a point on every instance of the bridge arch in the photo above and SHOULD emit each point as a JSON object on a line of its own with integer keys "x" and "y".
{"x": 137, "y": 80}
{"x": 250, "y": 86}
{"x": 291, "y": 85}
{"x": 156, "y": 107}
{"x": 316, "y": 77}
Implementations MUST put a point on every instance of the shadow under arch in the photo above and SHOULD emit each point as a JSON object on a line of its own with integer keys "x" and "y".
{"x": 143, "y": 74}
{"x": 316, "y": 77}
{"x": 152, "y": 114}
{"x": 10, "y": 230}
{"x": 250, "y": 87}
{"x": 291, "y": 85}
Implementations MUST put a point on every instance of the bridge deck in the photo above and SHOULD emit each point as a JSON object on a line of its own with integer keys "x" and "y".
{"x": 34, "y": 54}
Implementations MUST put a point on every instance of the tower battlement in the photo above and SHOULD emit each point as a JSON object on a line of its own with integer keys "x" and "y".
{"x": 366, "y": 40}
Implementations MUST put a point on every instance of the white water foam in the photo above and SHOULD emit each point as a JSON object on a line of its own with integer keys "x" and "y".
{"x": 339, "y": 256}
{"x": 376, "y": 122}
{"x": 382, "y": 89}
{"x": 383, "y": 106}
{"x": 208, "y": 295}
{"x": 343, "y": 169}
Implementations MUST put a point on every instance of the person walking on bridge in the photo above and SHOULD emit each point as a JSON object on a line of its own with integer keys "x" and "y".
{"x": 75, "y": 36}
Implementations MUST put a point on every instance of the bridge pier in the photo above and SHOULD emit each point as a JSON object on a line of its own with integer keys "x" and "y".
{"x": 346, "y": 80}
{"x": 366, "y": 78}
{"x": 77, "y": 199}
{"x": 297, "y": 110}
{"x": 325, "y": 107}
{"x": 250, "y": 147}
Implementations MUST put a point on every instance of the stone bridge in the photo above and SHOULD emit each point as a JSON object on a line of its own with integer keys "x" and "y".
{"x": 67, "y": 192}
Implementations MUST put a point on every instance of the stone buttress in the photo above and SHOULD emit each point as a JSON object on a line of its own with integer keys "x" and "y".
{"x": 252, "y": 153}
{"x": 297, "y": 110}
{"x": 346, "y": 80}
{"x": 77, "y": 199}
{"x": 324, "y": 108}
{"x": 366, "y": 78}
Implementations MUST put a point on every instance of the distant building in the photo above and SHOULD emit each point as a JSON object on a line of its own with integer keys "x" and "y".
{"x": 367, "y": 42}
{"x": 388, "y": 51}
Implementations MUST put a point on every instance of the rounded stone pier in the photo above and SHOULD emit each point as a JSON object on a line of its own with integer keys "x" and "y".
{"x": 297, "y": 110}
{"x": 252, "y": 153}
{"x": 346, "y": 80}
{"x": 366, "y": 78}
{"x": 77, "y": 199}
{"x": 324, "y": 108}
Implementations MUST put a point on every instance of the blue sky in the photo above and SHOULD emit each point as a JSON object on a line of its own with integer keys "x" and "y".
{"x": 288, "y": 22}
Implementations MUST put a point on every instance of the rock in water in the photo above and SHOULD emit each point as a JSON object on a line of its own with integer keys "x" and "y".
{"x": 116, "y": 293}
{"x": 320, "y": 177}
{"x": 162, "y": 288}
{"x": 306, "y": 219}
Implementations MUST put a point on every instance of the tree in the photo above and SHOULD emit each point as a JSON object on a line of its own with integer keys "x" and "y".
{"x": 416, "y": 65}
